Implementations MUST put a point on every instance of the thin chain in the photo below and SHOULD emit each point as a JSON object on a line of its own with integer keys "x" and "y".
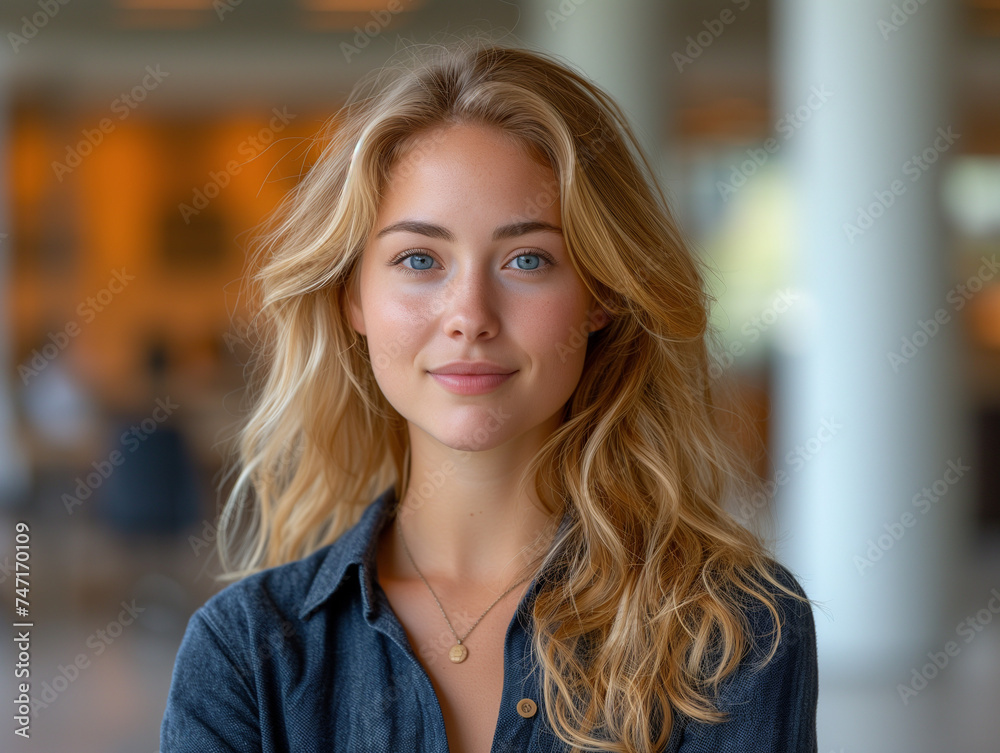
{"x": 457, "y": 639}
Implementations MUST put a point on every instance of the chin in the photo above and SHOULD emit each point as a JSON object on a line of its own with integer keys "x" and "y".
{"x": 468, "y": 435}
{"x": 470, "y": 441}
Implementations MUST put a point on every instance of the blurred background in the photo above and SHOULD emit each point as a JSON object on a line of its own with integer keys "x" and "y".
{"x": 836, "y": 163}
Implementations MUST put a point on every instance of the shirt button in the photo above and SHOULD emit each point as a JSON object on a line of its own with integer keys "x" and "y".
{"x": 526, "y": 708}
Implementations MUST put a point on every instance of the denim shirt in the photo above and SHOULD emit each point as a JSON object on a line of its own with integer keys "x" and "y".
{"x": 309, "y": 656}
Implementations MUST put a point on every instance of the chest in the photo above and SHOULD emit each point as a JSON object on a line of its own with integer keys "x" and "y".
{"x": 469, "y": 692}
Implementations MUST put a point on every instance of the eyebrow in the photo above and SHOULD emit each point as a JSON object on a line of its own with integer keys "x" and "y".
{"x": 429, "y": 229}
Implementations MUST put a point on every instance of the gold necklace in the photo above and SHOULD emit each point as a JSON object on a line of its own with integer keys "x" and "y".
{"x": 458, "y": 652}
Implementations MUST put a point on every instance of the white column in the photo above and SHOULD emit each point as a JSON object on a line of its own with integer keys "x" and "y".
{"x": 860, "y": 433}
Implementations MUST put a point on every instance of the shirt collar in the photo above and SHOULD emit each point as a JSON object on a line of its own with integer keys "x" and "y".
{"x": 357, "y": 546}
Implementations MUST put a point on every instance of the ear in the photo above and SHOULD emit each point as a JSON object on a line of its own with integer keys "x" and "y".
{"x": 599, "y": 318}
{"x": 353, "y": 304}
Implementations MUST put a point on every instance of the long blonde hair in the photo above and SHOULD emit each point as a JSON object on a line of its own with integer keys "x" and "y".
{"x": 648, "y": 613}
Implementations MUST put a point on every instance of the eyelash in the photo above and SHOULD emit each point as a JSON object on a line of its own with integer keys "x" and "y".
{"x": 398, "y": 261}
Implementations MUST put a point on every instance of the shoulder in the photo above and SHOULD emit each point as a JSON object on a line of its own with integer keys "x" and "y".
{"x": 267, "y": 600}
{"x": 794, "y": 615}
{"x": 781, "y": 638}
{"x": 770, "y": 700}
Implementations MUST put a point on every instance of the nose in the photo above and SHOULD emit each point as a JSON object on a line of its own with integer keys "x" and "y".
{"x": 469, "y": 306}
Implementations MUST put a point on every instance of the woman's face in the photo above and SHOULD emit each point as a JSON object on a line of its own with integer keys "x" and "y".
{"x": 467, "y": 263}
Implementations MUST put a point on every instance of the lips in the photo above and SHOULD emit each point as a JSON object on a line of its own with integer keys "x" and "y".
{"x": 467, "y": 368}
{"x": 471, "y": 384}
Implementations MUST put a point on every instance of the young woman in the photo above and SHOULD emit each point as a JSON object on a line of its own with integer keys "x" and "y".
{"x": 483, "y": 494}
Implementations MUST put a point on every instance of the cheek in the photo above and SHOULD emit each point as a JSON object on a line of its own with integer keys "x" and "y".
{"x": 558, "y": 337}
{"x": 397, "y": 327}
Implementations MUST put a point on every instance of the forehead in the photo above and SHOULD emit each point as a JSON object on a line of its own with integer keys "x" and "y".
{"x": 470, "y": 165}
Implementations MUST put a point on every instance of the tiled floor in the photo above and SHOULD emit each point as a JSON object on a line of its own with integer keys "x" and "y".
{"x": 115, "y": 702}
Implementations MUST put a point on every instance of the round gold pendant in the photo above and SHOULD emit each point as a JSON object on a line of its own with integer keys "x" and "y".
{"x": 458, "y": 653}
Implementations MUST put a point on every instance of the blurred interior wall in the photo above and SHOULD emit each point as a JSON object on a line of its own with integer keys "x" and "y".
{"x": 14, "y": 475}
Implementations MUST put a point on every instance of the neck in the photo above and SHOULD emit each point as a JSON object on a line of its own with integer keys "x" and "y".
{"x": 465, "y": 521}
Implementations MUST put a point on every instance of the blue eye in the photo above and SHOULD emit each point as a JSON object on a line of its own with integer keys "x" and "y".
{"x": 421, "y": 259}
{"x": 528, "y": 256}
